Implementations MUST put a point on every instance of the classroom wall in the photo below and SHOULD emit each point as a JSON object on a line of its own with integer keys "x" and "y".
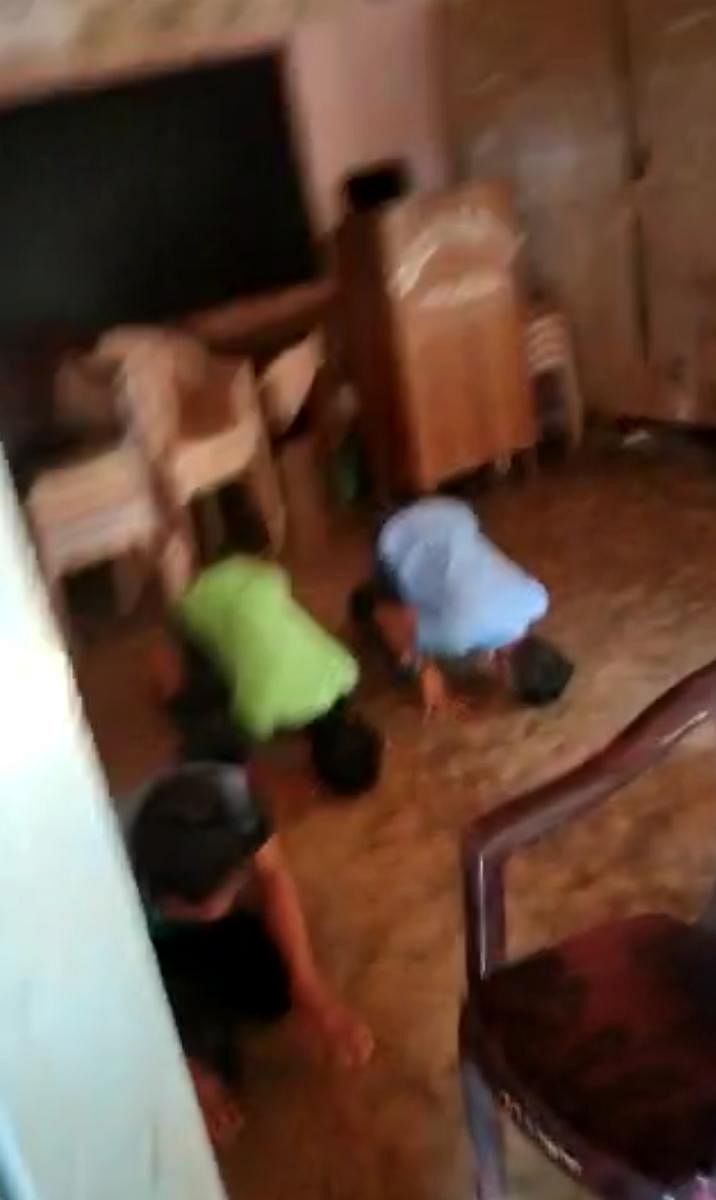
{"x": 601, "y": 113}
{"x": 95, "y": 1100}
{"x": 368, "y": 86}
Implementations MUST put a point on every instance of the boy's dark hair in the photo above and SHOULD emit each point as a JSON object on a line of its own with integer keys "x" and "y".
{"x": 196, "y": 826}
{"x": 347, "y": 752}
{"x": 540, "y": 672}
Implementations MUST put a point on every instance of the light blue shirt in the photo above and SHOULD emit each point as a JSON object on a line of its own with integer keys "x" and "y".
{"x": 467, "y": 594}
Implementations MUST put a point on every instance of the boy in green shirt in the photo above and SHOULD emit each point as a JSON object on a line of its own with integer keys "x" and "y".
{"x": 253, "y": 662}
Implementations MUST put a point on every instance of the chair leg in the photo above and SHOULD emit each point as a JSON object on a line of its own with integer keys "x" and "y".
{"x": 575, "y": 404}
{"x": 128, "y": 580}
{"x": 487, "y": 1135}
{"x": 177, "y": 563}
{"x": 265, "y": 490}
{"x": 213, "y": 530}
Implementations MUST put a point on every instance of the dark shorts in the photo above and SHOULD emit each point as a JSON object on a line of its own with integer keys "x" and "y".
{"x": 217, "y": 976}
{"x": 201, "y": 711}
{"x": 380, "y": 585}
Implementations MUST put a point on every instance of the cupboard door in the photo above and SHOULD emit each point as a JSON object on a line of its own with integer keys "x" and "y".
{"x": 674, "y": 61}
{"x": 536, "y": 96}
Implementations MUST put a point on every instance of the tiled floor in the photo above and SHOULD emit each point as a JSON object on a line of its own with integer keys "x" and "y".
{"x": 627, "y": 544}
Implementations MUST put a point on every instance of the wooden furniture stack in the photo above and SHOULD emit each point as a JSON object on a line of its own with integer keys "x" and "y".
{"x": 434, "y": 336}
{"x": 199, "y": 421}
{"x": 187, "y": 424}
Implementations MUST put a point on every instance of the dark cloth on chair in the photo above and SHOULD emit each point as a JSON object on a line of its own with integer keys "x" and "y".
{"x": 615, "y": 1032}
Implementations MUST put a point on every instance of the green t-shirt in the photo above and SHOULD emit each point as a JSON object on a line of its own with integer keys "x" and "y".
{"x": 282, "y": 668}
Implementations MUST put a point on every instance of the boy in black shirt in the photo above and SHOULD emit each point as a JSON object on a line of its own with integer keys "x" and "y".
{"x": 227, "y": 927}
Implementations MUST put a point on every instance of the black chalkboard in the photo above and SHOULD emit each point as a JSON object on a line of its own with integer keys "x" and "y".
{"x": 142, "y": 201}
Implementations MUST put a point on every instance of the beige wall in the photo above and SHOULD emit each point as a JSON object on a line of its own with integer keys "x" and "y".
{"x": 368, "y": 87}
{"x": 105, "y": 29}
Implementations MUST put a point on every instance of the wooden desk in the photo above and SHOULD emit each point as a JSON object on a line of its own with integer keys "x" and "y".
{"x": 262, "y": 327}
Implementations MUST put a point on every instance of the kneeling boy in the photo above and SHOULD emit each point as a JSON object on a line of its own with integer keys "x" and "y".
{"x": 442, "y": 593}
{"x": 253, "y": 661}
{"x": 227, "y": 927}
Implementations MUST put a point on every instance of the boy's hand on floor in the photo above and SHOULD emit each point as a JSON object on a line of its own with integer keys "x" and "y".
{"x": 342, "y": 1032}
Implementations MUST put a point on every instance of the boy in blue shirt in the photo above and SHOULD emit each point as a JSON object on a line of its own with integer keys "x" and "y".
{"x": 442, "y": 594}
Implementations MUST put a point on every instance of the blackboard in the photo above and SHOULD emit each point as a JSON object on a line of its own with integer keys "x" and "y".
{"x": 143, "y": 201}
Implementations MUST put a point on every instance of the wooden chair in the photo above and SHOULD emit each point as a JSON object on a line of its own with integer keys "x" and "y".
{"x": 550, "y": 353}
{"x": 98, "y": 507}
{"x": 198, "y": 419}
{"x": 285, "y": 384}
{"x": 292, "y": 389}
{"x": 602, "y": 1049}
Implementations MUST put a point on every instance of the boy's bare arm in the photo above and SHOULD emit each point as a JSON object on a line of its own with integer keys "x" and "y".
{"x": 398, "y": 627}
{"x": 282, "y": 911}
{"x": 312, "y": 997}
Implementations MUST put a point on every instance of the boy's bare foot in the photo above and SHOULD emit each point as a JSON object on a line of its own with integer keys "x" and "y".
{"x": 433, "y": 690}
{"x": 222, "y": 1115}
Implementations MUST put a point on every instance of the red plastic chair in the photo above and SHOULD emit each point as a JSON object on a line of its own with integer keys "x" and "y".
{"x": 601, "y": 1049}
